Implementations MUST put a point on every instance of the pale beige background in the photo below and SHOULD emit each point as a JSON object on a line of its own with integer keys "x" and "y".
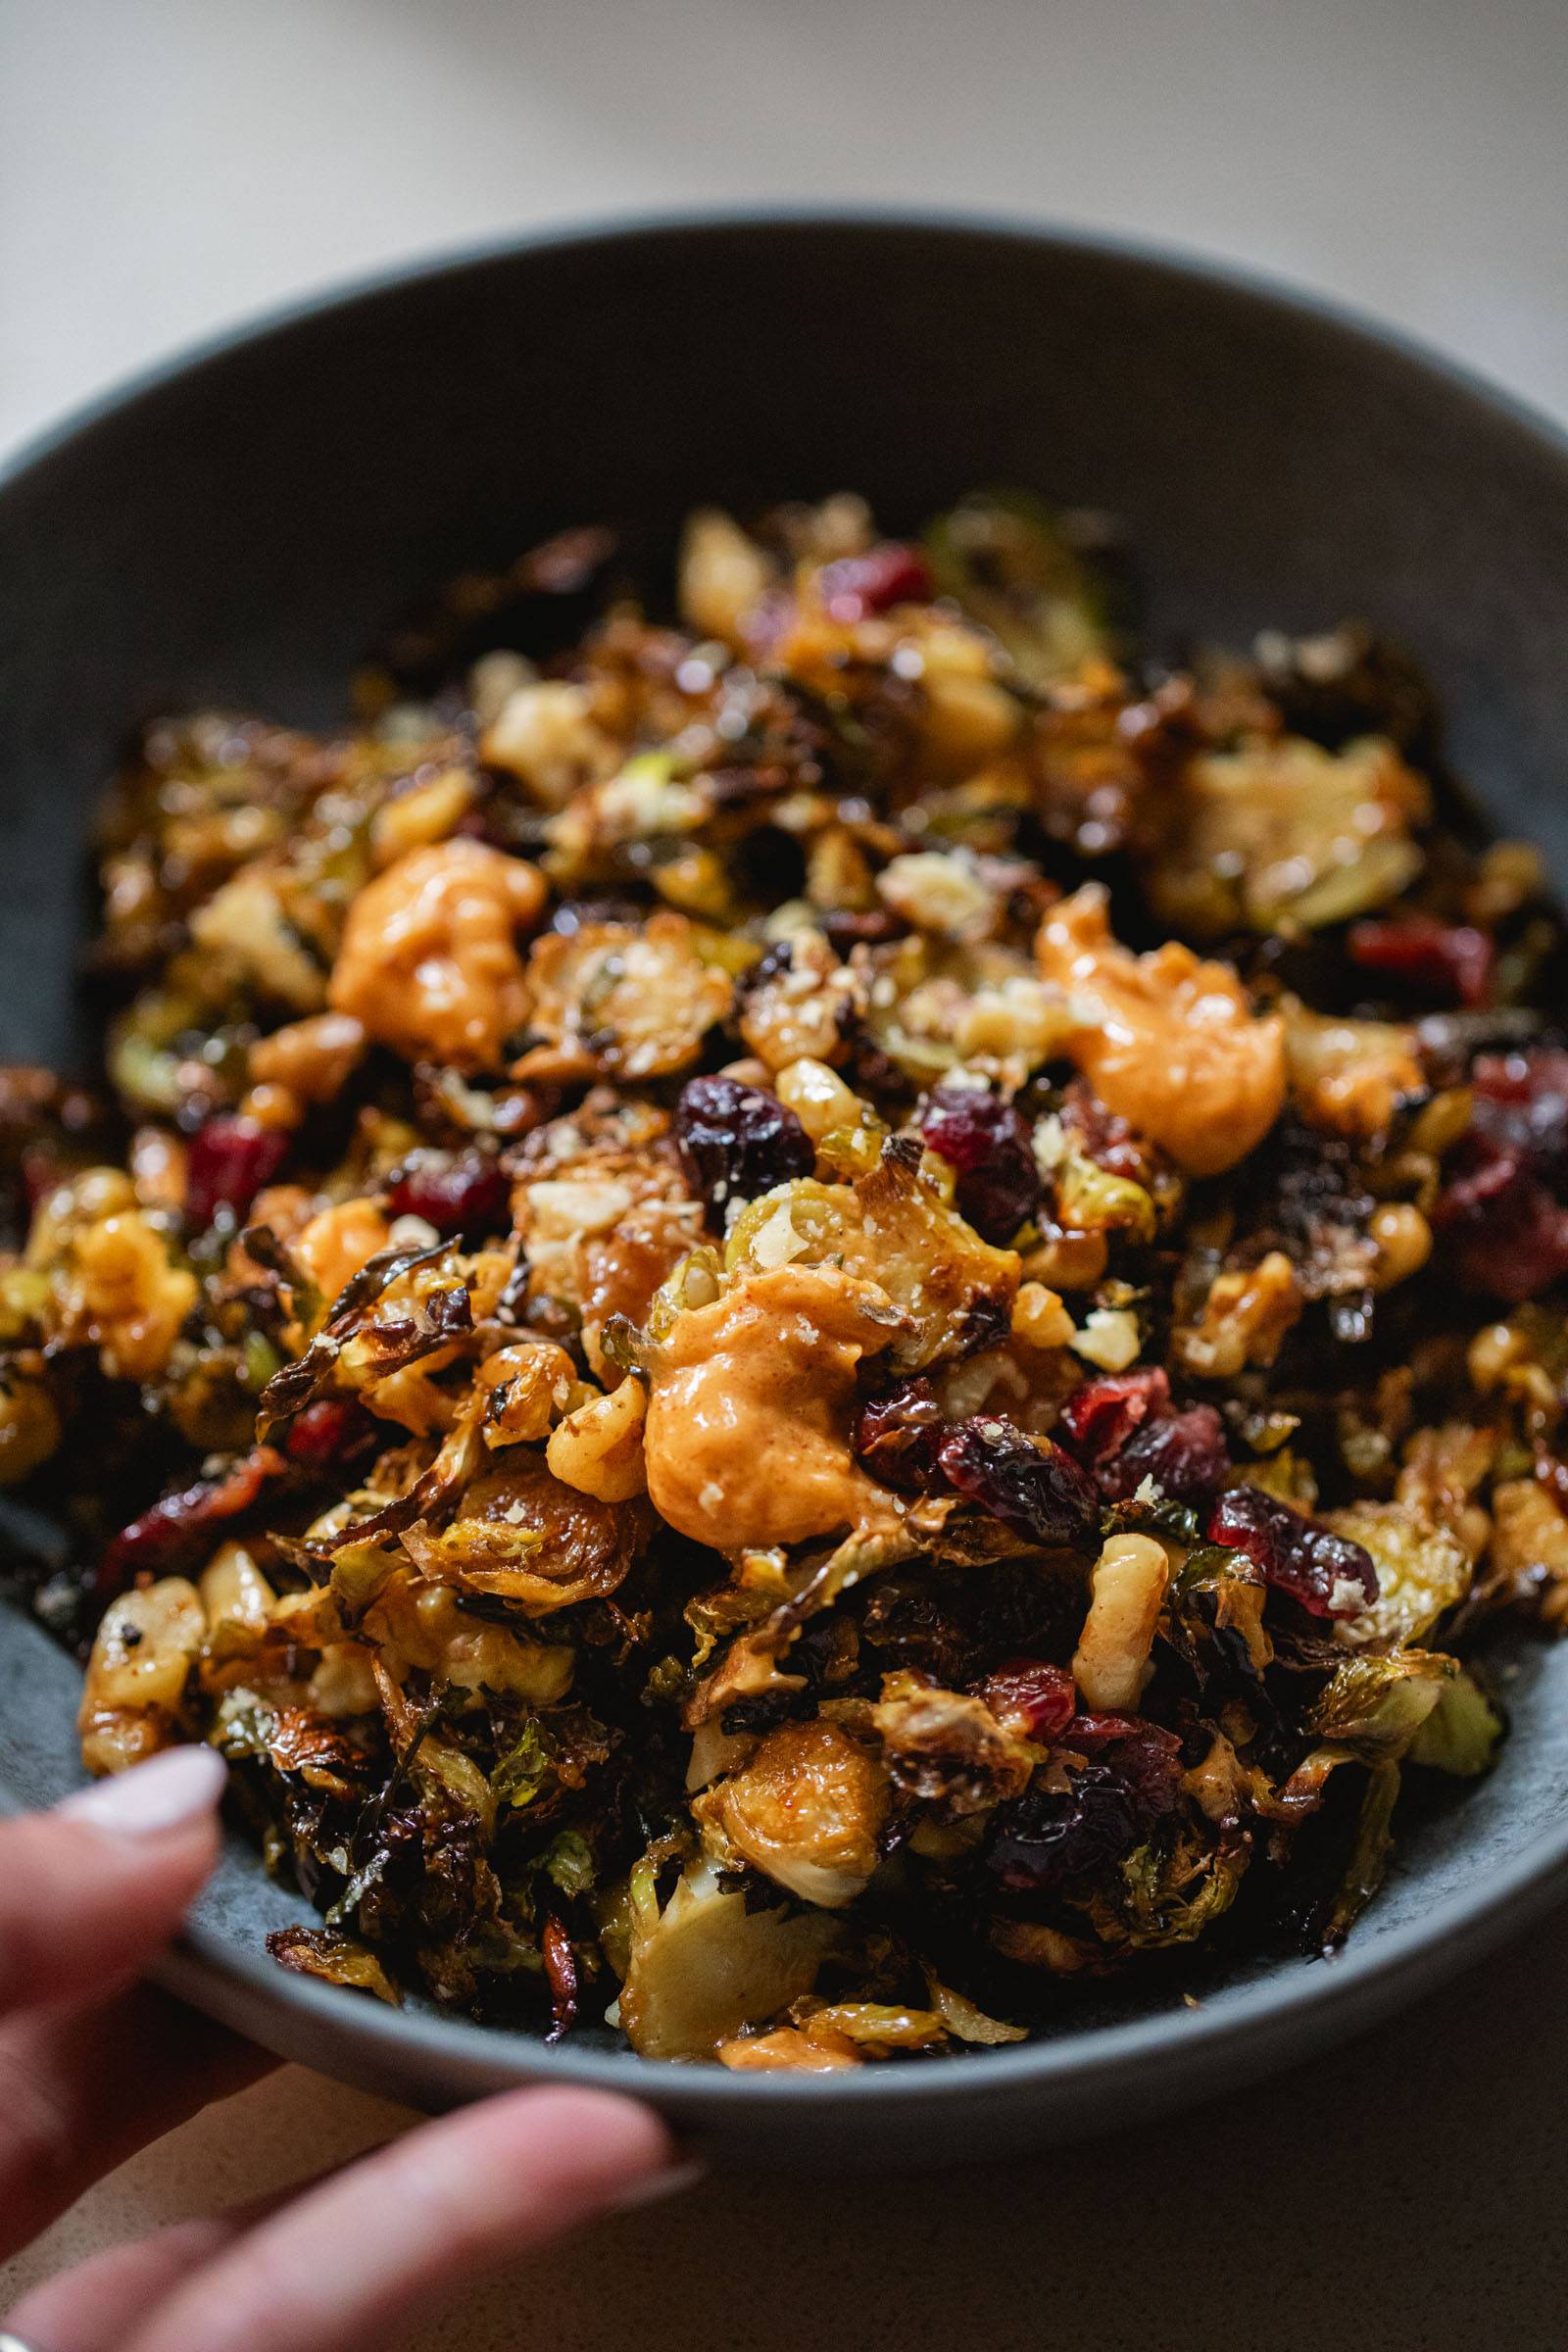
{"x": 167, "y": 165}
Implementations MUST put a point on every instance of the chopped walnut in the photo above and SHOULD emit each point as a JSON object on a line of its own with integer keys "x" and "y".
{"x": 313, "y": 1058}
{"x": 1110, "y": 1664}
{"x": 526, "y": 1388}
{"x": 1167, "y": 1042}
{"x": 723, "y": 576}
{"x": 1246, "y": 1318}
{"x": 598, "y": 1447}
{"x": 429, "y": 964}
{"x": 1349, "y": 1077}
{"x": 120, "y": 1293}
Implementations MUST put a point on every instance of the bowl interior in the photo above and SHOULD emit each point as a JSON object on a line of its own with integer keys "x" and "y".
{"x": 240, "y": 530}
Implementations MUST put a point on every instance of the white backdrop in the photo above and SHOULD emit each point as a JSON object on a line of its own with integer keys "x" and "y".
{"x": 169, "y": 164}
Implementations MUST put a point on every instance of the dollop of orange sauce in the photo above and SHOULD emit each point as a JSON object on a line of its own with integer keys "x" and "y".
{"x": 1166, "y": 1040}
{"x": 748, "y": 1433}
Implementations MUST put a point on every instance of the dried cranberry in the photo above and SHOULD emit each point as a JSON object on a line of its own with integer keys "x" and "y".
{"x": 1048, "y": 1836}
{"x": 1502, "y": 1209}
{"x": 456, "y": 1191}
{"x": 230, "y": 1159}
{"x": 1521, "y": 1105}
{"x": 1100, "y": 1417}
{"x": 737, "y": 1141}
{"x": 1030, "y": 1484}
{"x": 1328, "y": 1574}
{"x": 330, "y": 1431}
{"x": 1146, "y": 1757}
{"x": 1185, "y": 1455}
{"x": 1030, "y": 1696}
{"x": 897, "y": 1437}
{"x": 855, "y": 586}
{"x": 1451, "y": 962}
{"x": 1125, "y": 1431}
{"x": 988, "y": 1141}
{"x": 178, "y": 1529}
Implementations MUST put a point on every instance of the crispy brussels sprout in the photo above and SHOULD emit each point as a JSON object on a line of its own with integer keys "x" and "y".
{"x": 797, "y": 1322}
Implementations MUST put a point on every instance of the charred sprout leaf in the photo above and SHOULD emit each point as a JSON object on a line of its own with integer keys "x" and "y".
{"x": 1463, "y": 1734}
{"x": 964, "y": 2022}
{"x": 299, "y": 1381}
{"x": 1369, "y": 1858}
{"x": 335, "y": 1958}
{"x": 1374, "y": 1706}
{"x": 1172, "y": 1896}
{"x": 1421, "y": 1570}
{"x": 568, "y": 1863}
{"x": 522, "y": 1771}
{"x": 1006, "y": 560}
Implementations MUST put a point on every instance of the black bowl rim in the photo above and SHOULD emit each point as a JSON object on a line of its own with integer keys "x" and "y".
{"x": 1287, "y": 2009}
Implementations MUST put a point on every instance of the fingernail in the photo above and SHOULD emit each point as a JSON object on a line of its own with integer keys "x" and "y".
{"x": 653, "y": 2187}
{"x": 164, "y": 1793}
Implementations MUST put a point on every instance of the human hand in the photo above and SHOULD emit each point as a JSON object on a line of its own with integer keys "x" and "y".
{"x": 93, "y": 2066}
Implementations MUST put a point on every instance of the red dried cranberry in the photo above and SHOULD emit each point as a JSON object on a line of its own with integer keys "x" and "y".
{"x": 1451, "y": 962}
{"x": 1029, "y": 1697}
{"x": 898, "y": 1436}
{"x": 1125, "y": 1431}
{"x": 1327, "y": 1574}
{"x": 176, "y": 1529}
{"x": 1030, "y": 1484}
{"x": 1521, "y": 1107}
{"x": 330, "y": 1431}
{"x": 1145, "y": 1754}
{"x": 1102, "y": 1135}
{"x": 988, "y": 1141}
{"x": 1048, "y": 1836}
{"x": 230, "y": 1159}
{"x": 456, "y": 1191}
{"x": 1502, "y": 1209}
{"x": 738, "y": 1142}
{"x": 855, "y": 586}
{"x": 1185, "y": 1455}
{"x": 1100, "y": 1417}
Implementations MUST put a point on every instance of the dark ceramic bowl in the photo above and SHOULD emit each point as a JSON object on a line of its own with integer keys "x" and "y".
{"x": 237, "y": 529}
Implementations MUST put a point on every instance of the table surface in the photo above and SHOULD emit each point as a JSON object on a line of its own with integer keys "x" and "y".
{"x": 168, "y": 165}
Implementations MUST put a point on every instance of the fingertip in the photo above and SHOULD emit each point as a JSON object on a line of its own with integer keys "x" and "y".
{"x": 181, "y": 1788}
{"x": 595, "y": 2148}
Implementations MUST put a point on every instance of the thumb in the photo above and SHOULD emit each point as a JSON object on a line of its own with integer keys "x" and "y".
{"x": 91, "y": 1891}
